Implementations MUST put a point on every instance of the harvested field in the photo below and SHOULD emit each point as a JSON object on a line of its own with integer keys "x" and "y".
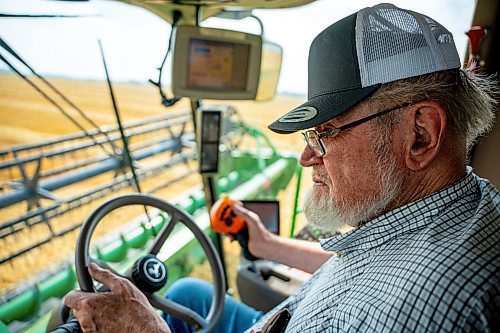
{"x": 26, "y": 117}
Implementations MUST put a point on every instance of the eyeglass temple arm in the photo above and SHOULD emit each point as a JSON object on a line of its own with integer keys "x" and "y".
{"x": 365, "y": 119}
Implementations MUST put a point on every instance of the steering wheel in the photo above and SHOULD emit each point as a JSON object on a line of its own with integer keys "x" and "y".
{"x": 175, "y": 215}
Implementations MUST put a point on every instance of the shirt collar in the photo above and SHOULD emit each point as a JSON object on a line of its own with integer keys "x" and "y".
{"x": 407, "y": 218}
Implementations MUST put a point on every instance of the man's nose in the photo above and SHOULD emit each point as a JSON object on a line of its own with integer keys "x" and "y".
{"x": 309, "y": 158}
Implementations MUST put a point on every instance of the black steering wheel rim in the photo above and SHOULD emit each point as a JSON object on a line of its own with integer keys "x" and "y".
{"x": 82, "y": 257}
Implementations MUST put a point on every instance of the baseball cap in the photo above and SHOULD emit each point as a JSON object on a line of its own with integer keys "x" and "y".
{"x": 349, "y": 60}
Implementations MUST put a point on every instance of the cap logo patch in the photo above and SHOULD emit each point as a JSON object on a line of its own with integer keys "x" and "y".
{"x": 299, "y": 115}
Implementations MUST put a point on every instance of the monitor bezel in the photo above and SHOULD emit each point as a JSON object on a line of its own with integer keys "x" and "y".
{"x": 180, "y": 63}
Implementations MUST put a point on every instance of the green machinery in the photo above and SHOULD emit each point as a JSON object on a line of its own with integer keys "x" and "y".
{"x": 258, "y": 174}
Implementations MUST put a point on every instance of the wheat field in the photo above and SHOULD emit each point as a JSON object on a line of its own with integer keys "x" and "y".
{"x": 27, "y": 118}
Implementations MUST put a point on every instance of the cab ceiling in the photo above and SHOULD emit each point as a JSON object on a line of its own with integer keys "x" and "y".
{"x": 193, "y": 10}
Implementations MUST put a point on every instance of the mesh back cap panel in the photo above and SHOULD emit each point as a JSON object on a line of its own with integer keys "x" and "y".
{"x": 394, "y": 44}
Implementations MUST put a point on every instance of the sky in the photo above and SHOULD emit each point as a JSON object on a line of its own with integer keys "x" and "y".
{"x": 135, "y": 40}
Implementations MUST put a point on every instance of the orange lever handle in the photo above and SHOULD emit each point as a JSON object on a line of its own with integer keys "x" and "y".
{"x": 223, "y": 219}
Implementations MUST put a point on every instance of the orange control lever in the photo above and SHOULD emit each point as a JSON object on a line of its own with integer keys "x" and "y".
{"x": 224, "y": 220}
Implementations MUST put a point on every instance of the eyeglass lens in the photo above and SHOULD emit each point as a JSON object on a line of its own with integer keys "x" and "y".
{"x": 312, "y": 140}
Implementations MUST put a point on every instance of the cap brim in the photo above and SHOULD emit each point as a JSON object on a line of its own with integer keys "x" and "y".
{"x": 320, "y": 109}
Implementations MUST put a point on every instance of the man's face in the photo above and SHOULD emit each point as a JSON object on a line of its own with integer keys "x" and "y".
{"x": 357, "y": 178}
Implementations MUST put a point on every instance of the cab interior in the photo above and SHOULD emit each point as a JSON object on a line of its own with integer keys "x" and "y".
{"x": 229, "y": 156}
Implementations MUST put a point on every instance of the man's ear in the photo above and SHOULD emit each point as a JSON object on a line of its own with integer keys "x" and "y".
{"x": 427, "y": 128}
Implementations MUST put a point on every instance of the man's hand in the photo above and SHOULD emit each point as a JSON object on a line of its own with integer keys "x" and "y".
{"x": 306, "y": 256}
{"x": 259, "y": 238}
{"x": 121, "y": 310}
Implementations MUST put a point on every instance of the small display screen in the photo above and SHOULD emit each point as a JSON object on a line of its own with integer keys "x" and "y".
{"x": 210, "y": 137}
{"x": 268, "y": 211}
{"x": 217, "y": 65}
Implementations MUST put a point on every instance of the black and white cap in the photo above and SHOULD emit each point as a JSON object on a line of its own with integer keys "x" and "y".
{"x": 349, "y": 60}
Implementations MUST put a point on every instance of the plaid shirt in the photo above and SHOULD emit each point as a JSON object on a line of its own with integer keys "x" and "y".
{"x": 430, "y": 266}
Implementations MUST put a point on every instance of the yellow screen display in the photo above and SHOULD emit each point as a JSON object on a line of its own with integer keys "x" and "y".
{"x": 217, "y": 65}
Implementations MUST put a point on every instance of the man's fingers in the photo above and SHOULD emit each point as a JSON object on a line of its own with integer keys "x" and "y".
{"x": 104, "y": 276}
{"x": 241, "y": 211}
{"x": 246, "y": 214}
{"x": 83, "y": 306}
{"x": 85, "y": 320}
{"x": 72, "y": 299}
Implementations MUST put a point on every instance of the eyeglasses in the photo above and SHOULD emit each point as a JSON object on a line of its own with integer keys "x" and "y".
{"x": 313, "y": 138}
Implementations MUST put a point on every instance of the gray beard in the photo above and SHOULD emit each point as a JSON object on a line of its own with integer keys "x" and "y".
{"x": 335, "y": 214}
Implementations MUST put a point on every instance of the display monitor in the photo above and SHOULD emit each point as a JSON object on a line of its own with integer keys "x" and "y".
{"x": 215, "y": 64}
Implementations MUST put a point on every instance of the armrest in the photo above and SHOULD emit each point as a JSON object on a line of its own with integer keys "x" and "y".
{"x": 265, "y": 284}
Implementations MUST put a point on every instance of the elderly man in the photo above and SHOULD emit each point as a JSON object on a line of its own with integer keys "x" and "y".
{"x": 388, "y": 123}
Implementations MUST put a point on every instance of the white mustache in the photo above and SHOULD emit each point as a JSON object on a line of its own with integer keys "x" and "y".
{"x": 321, "y": 175}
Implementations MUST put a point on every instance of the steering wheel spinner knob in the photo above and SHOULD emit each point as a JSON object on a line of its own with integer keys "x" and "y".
{"x": 149, "y": 274}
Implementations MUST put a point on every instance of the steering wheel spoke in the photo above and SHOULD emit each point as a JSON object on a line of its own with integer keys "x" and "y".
{"x": 162, "y": 237}
{"x": 178, "y": 311}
